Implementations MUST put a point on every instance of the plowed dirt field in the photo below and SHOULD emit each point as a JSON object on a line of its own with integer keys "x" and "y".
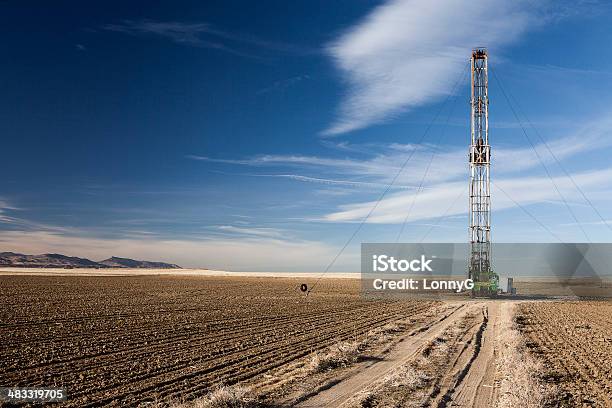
{"x": 128, "y": 340}
{"x": 574, "y": 339}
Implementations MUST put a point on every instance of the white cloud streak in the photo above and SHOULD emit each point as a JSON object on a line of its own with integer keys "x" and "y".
{"x": 252, "y": 231}
{"x": 406, "y": 53}
{"x": 447, "y": 176}
{"x": 434, "y": 202}
{"x": 334, "y": 182}
{"x": 379, "y": 167}
{"x": 206, "y": 35}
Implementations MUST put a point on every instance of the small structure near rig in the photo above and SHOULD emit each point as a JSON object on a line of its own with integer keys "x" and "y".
{"x": 479, "y": 266}
{"x": 511, "y": 290}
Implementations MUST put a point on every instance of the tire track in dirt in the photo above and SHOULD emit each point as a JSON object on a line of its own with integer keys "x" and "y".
{"x": 460, "y": 375}
{"x": 343, "y": 392}
{"x": 475, "y": 385}
{"x": 471, "y": 379}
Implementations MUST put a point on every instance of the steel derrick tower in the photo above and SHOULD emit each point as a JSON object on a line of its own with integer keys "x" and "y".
{"x": 479, "y": 265}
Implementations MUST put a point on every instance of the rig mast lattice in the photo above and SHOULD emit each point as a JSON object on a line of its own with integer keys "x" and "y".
{"x": 479, "y": 266}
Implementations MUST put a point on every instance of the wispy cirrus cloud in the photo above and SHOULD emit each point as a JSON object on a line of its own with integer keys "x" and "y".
{"x": 283, "y": 84}
{"x": 377, "y": 164}
{"x": 372, "y": 166}
{"x": 252, "y": 231}
{"x": 10, "y": 219}
{"x": 206, "y": 35}
{"x": 434, "y": 201}
{"x": 406, "y": 53}
{"x": 334, "y": 182}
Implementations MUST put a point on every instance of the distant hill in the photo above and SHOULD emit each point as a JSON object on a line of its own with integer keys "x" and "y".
{"x": 115, "y": 262}
{"x": 45, "y": 261}
{"x": 63, "y": 261}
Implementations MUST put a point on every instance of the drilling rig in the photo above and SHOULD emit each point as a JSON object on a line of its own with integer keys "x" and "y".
{"x": 486, "y": 281}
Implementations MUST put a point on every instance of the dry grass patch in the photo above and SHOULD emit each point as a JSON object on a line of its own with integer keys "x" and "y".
{"x": 346, "y": 353}
{"x": 393, "y": 391}
{"x": 521, "y": 385}
{"x": 339, "y": 355}
{"x": 221, "y": 397}
{"x": 408, "y": 377}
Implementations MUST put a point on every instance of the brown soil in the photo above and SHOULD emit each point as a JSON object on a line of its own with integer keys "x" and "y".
{"x": 574, "y": 340}
{"x": 128, "y": 340}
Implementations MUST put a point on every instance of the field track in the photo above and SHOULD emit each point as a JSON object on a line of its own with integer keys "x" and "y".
{"x": 467, "y": 377}
{"x": 342, "y": 393}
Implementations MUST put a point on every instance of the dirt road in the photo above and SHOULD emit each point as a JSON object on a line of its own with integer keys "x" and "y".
{"x": 478, "y": 388}
{"x": 467, "y": 379}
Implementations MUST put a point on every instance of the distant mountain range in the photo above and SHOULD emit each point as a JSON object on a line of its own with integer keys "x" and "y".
{"x": 63, "y": 261}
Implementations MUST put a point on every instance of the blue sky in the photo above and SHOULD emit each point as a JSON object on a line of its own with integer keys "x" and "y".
{"x": 257, "y": 135}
